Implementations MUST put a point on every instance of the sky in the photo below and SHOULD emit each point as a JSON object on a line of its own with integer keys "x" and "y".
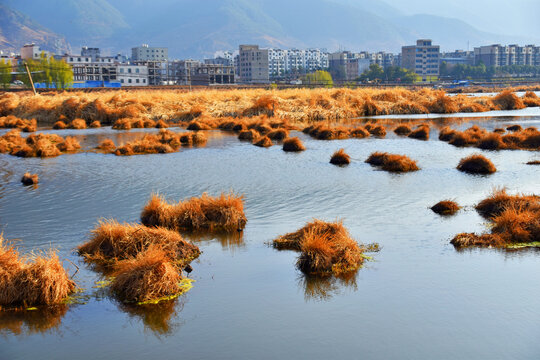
{"x": 515, "y": 17}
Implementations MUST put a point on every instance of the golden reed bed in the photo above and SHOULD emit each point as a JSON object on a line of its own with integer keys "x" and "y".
{"x": 296, "y": 105}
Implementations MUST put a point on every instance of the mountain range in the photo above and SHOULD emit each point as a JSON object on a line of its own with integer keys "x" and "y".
{"x": 198, "y": 28}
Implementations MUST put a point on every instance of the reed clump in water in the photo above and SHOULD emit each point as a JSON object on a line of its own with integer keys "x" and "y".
{"x": 133, "y": 123}
{"x": 446, "y": 207}
{"x": 30, "y": 179}
{"x": 377, "y": 130}
{"x": 37, "y": 279}
{"x": 340, "y": 157}
{"x": 392, "y": 162}
{"x": 107, "y": 145}
{"x": 198, "y": 126}
{"x": 324, "y": 132}
{"x": 293, "y": 144}
{"x": 13, "y": 122}
{"x": 147, "y": 277}
{"x": 359, "y": 133}
{"x": 515, "y": 222}
{"x": 278, "y": 134}
{"x": 533, "y": 162}
{"x": 205, "y": 213}
{"x": 59, "y": 125}
{"x": 95, "y": 124}
{"x": 530, "y": 99}
{"x": 78, "y": 124}
{"x": 326, "y": 248}
{"x": 507, "y": 100}
{"x": 111, "y": 242}
{"x": 514, "y": 128}
{"x": 164, "y": 142}
{"x": 420, "y": 133}
{"x": 263, "y": 141}
{"x": 402, "y": 130}
{"x": 248, "y": 135}
{"x": 36, "y": 145}
{"x": 476, "y": 164}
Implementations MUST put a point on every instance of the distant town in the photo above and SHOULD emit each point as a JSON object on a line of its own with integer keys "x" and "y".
{"x": 422, "y": 62}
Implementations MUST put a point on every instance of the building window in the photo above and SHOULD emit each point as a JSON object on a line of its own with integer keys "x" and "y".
{"x": 144, "y": 81}
{"x": 137, "y": 81}
{"x": 129, "y": 71}
{"x": 122, "y": 81}
{"x": 121, "y": 70}
{"x": 137, "y": 70}
{"x": 129, "y": 81}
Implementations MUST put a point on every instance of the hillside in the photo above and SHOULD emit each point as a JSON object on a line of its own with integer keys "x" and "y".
{"x": 195, "y": 28}
{"x": 17, "y": 29}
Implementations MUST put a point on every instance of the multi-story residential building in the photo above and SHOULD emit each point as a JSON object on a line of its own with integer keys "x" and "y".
{"x": 94, "y": 53}
{"x": 33, "y": 52}
{"x": 132, "y": 75}
{"x": 422, "y": 58}
{"x": 213, "y": 74}
{"x": 458, "y": 57}
{"x": 498, "y": 55}
{"x": 155, "y": 58}
{"x": 253, "y": 64}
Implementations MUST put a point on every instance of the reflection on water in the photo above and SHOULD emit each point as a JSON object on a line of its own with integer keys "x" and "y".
{"x": 160, "y": 318}
{"x": 324, "y": 288}
{"x": 230, "y": 241}
{"x": 28, "y": 322}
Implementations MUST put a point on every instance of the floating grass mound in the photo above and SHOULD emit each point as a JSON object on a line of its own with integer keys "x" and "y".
{"x": 95, "y": 124}
{"x": 29, "y": 179}
{"x": 14, "y": 122}
{"x": 36, "y": 145}
{"x": 149, "y": 276}
{"x": 59, "y": 125}
{"x": 324, "y": 132}
{"x": 445, "y": 207}
{"x": 340, "y": 157}
{"x": 293, "y": 144}
{"x": 248, "y": 135}
{"x": 420, "y": 133}
{"x": 278, "y": 134}
{"x": 476, "y": 164}
{"x": 78, "y": 124}
{"x": 32, "y": 280}
{"x": 392, "y": 162}
{"x": 133, "y": 123}
{"x": 163, "y": 143}
{"x": 107, "y": 145}
{"x": 263, "y": 141}
{"x": 111, "y": 241}
{"x": 515, "y": 222}
{"x": 205, "y": 213}
{"x": 402, "y": 130}
{"x": 325, "y": 248}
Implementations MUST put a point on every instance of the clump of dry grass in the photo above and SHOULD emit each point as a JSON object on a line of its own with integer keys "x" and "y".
{"x": 160, "y": 124}
{"x": 514, "y": 128}
{"x": 13, "y": 122}
{"x": 476, "y": 164}
{"x": 402, "y": 130}
{"x": 420, "y": 133}
{"x": 325, "y": 248}
{"x": 293, "y": 144}
{"x": 443, "y": 104}
{"x": 30, "y": 179}
{"x": 78, "y": 124}
{"x": 278, "y": 134}
{"x": 95, "y": 124}
{"x": 491, "y": 141}
{"x": 323, "y": 132}
{"x": 37, "y": 279}
{"x": 499, "y": 131}
{"x": 106, "y": 145}
{"x": 359, "y": 133}
{"x": 205, "y": 213}
{"x": 163, "y": 143}
{"x": 533, "y": 162}
{"x": 392, "y": 162}
{"x": 377, "y": 130}
{"x": 249, "y": 135}
{"x": 264, "y": 105}
{"x": 111, "y": 241}
{"x": 198, "y": 125}
{"x": 530, "y": 99}
{"x": 59, "y": 125}
{"x": 36, "y": 145}
{"x": 499, "y": 200}
{"x": 340, "y": 157}
{"x": 446, "y": 133}
{"x": 446, "y": 207}
{"x": 470, "y": 239}
{"x": 507, "y": 100}
{"x": 148, "y": 276}
{"x": 263, "y": 141}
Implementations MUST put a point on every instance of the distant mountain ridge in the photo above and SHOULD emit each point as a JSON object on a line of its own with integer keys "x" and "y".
{"x": 198, "y": 28}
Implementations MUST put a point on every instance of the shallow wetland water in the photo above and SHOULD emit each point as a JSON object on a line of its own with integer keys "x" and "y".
{"x": 418, "y": 298}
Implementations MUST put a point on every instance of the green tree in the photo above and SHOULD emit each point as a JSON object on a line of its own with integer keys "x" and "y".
{"x": 319, "y": 77}
{"x": 5, "y": 73}
{"x": 49, "y": 71}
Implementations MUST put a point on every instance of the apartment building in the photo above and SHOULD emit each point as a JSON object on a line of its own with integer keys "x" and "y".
{"x": 498, "y": 55}
{"x": 253, "y": 65}
{"x": 422, "y": 58}
{"x": 33, "y": 52}
{"x": 147, "y": 53}
{"x": 132, "y": 75}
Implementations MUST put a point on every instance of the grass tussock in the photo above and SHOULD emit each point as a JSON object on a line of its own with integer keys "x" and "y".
{"x": 392, "y": 162}
{"x": 30, "y": 179}
{"x": 95, "y": 124}
{"x": 278, "y": 134}
{"x": 402, "y": 130}
{"x": 325, "y": 248}
{"x": 324, "y": 132}
{"x": 420, "y": 133}
{"x": 13, "y": 122}
{"x": 133, "y": 123}
{"x": 340, "y": 157}
{"x": 36, "y": 279}
{"x": 205, "y": 213}
{"x": 515, "y": 222}
{"x": 36, "y": 145}
{"x": 77, "y": 124}
{"x": 111, "y": 242}
{"x": 376, "y": 130}
{"x": 148, "y": 276}
{"x": 518, "y": 138}
{"x": 248, "y": 135}
{"x": 508, "y": 100}
{"x": 533, "y": 162}
{"x": 514, "y": 128}
{"x": 293, "y": 144}
{"x": 476, "y": 164}
{"x": 106, "y": 145}
{"x": 446, "y": 207}
{"x": 163, "y": 143}
{"x": 263, "y": 141}
{"x": 359, "y": 133}
{"x": 59, "y": 125}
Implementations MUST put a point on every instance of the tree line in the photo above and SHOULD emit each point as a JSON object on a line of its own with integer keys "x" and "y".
{"x": 45, "y": 70}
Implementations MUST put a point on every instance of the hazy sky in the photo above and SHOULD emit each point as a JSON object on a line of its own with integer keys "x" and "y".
{"x": 515, "y": 17}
